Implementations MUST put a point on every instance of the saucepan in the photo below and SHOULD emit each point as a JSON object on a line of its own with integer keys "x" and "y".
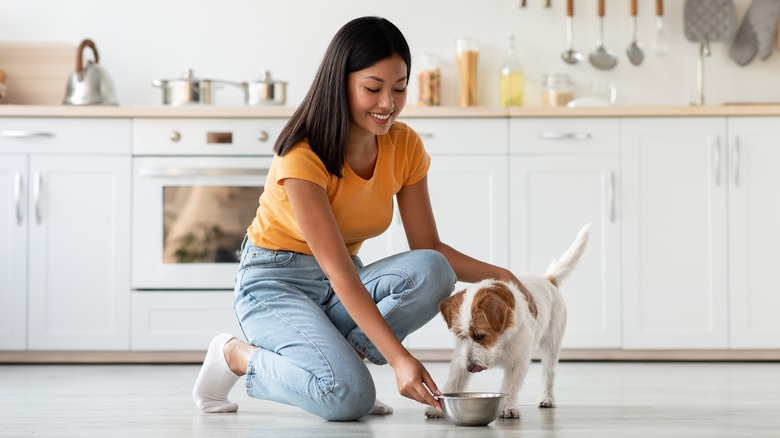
{"x": 186, "y": 90}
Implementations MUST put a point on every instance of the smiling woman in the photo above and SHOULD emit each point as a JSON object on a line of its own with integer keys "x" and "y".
{"x": 311, "y": 311}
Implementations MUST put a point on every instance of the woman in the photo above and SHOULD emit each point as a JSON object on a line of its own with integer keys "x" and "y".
{"x": 308, "y": 307}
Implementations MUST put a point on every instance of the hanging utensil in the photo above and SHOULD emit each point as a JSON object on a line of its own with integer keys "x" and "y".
{"x": 707, "y": 21}
{"x": 570, "y": 56}
{"x": 661, "y": 42}
{"x": 634, "y": 52}
{"x": 602, "y": 58}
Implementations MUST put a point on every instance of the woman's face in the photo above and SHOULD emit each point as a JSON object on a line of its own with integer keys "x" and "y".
{"x": 377, "y": 95}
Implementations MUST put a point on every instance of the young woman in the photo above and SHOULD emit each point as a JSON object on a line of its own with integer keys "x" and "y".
{"x": 309, "y": 309}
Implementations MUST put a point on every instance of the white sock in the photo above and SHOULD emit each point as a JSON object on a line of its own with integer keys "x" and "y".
{"x": 215, "y": 379}
{"x": 380, "y": 408}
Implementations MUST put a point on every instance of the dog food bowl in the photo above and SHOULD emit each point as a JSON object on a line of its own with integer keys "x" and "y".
{"x": 472, "y": 408}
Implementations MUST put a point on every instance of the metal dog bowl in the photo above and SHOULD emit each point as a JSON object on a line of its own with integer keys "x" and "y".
{"x": 472, "y": 408}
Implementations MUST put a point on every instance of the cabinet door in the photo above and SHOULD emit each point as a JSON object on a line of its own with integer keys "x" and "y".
{"x": 79, "y": 281}
{"x": 469, "y": 198}
{"x": 13, "y": 252}
{"x": 552, "y": 198}
{"x": 674, "y": 233}
{"x": 753, "y": 232}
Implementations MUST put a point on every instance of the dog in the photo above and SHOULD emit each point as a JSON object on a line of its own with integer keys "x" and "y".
{"x": 495, "y": 328}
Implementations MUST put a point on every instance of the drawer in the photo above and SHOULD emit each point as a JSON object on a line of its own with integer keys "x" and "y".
{"x": 206, "y": 136}
{"x": 65, "y": 136}
{"x": 571, "y": 136}
{"x": 181, "y": 320}
{"x": 461, "y": 136}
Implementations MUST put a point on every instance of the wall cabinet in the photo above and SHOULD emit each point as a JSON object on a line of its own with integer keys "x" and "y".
{"x": 64, "y": 269}
{"x": 564, "y": 173}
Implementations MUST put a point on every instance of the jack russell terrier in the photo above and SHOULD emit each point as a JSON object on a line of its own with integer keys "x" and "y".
{"x": 494, "y": 327}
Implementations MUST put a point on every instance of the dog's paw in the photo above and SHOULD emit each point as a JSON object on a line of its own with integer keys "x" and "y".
{"x": 510, "y": 412}
{"x": 433, "y": 413}
{"x": 547, "y": 402}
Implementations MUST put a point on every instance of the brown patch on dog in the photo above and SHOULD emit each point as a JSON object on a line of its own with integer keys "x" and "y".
{"x": 449, "y": 307}
{"x": 552, "y": 280}
{"x": 491, "y": 313}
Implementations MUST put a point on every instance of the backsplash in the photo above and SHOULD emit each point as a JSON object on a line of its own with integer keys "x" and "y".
{"x": 234, "y": 40}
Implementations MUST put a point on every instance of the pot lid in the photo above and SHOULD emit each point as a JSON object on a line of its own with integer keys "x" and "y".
{"x": 186, "y": 76}
{"x": 265, "y": 77}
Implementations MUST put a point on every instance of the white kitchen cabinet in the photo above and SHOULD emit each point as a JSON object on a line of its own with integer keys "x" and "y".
{"x": 754, "y": 236}
{"x": 13, "y": 253}
{"x": 468, "y": 185}
{"x": 564, "y": 173}
{"x": 675, "y": 270}
{"x": 71, "y": 234}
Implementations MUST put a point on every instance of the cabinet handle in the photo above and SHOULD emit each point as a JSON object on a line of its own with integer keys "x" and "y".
{"x": 18, "y": 196}
{"x": 25, "y": 134}
{"x": 609, "y": 178}
{"x": 735, "y": 160}
{"x": 38, "y": 177}
{"x": 564, "y": 136}
{"x": 196, "y": 171}
{"x": 425, "y": 135}
{"x": 716, "y": 160}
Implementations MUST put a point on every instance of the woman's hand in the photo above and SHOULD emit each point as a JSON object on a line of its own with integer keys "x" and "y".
{"x": 414, "y": 382}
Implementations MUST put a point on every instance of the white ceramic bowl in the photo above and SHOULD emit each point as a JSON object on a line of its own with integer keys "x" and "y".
{"x": 472, "y": 408}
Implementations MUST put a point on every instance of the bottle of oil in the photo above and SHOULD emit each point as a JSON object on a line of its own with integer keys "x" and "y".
{"x": 511, "y": 92}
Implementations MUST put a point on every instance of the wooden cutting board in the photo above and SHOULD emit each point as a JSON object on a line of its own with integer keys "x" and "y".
{"x": 36, "y": 73}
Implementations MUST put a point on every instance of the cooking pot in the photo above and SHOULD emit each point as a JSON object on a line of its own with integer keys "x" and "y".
{"x": 89, "y": 84}
{"x": 186, "y": 90}
{"x": 265, "y": 91}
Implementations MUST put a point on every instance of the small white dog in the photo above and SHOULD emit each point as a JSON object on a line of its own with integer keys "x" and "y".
{"x": 494, "y": 327}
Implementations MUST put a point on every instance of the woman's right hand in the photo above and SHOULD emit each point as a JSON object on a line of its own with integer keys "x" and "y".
{"x": 414, "y": 382}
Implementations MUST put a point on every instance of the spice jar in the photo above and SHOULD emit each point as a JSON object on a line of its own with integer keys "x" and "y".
{"x": 429, "y": 81}
{"x": 558, "y": 90}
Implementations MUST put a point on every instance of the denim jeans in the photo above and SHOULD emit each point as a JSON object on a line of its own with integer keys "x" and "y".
{"x": 307, "y": 340}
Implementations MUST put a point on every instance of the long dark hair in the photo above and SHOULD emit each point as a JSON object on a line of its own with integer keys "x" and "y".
{"x": 323, "y": 116}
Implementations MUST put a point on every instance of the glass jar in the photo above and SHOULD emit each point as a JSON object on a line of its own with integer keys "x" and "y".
{"x": 558, "y": 90}
{"x": 429, "y": 81}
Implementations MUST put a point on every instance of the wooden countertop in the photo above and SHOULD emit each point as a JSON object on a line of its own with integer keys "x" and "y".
{"x": 410, "y": 111}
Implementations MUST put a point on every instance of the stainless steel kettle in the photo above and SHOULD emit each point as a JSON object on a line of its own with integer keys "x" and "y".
{"x": 89, "y": 84}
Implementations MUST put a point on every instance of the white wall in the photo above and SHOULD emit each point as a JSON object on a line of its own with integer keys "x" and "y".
{"x": 141, "y": 40}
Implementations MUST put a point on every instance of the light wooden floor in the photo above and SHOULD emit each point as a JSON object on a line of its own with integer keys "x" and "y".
{"x": 606, "y": 399}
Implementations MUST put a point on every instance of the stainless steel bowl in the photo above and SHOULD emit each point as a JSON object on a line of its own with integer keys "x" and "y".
{"x": 472, "y": 408}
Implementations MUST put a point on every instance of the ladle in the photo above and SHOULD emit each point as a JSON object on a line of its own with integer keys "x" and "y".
{"x": 634, "y": 52}
{"x": 601, "y": 58}
{"x": 570, "y": 56}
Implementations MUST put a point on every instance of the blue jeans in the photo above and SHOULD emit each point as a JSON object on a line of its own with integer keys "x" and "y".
{"x": 307, "y": 340}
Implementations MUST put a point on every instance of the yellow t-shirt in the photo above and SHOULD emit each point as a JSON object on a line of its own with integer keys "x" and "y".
{"x": 363, "y": 208}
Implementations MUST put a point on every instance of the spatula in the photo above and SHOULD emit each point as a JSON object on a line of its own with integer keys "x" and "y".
{"x": 602, "y": 58}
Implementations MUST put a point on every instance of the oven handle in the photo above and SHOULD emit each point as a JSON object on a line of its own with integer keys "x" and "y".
{"x": 196, "y": 171}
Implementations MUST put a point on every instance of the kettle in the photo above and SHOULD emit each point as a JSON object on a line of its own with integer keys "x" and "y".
{"x": 89, "y": 84}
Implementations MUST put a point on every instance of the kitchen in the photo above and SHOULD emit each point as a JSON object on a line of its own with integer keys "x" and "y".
{"x": 157, "y": 41}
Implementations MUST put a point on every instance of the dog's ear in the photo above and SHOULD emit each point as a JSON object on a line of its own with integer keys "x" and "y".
{"x": 498, "y": 305}
{"x": 449, "y": 307}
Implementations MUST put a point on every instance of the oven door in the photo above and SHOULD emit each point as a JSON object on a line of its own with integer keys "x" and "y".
{"x": 190, "y": 215}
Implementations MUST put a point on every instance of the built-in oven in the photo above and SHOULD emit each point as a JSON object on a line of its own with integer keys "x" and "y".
{"x": 196, "y": 185}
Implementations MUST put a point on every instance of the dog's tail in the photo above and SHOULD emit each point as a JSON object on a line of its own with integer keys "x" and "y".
{"x": 559, "y": 269}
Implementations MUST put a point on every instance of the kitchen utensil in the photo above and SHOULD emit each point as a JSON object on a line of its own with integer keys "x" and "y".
{"x": 634, "y": 52}
{"x": 471, "y": 408}
{"x": 89, "y": 84}
{"x": 764, "y": 15}
{"x": 570, "y": 56}
{"x": 661, "y": 41}
{"x": 706, "y": 21}
{"x": 186, "y": 90}
{"x": 745, "y": 44}
{"x": 602, "y": 58}
{"x": 264, "y": 91}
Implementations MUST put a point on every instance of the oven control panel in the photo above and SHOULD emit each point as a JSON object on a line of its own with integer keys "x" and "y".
{"x": 206, "y": 137}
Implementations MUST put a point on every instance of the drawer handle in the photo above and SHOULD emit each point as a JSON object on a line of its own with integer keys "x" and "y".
{"x": 564, "y": 136}
{"x": 195, "y": 171}
{"x": 425, "y": 135}
{"x": 25, "y": 134}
